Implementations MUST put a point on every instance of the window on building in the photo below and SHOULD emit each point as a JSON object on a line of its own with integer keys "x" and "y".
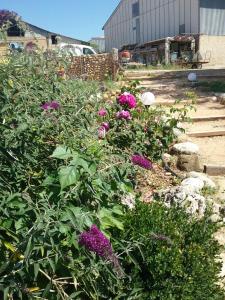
{"x": 135, "y": 9}
{"x": 182, "y": 29}
{"x": 54, "y": 39}
{"x": 15, "y": 30}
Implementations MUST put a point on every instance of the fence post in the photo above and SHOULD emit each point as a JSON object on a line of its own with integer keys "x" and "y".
{"x": 115, "y": 62}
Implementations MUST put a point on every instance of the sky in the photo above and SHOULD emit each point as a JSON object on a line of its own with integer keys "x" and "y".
{"x": 81, "y": 19}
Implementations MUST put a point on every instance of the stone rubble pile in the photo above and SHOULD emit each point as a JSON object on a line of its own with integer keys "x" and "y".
{"x": 188, "y": 195}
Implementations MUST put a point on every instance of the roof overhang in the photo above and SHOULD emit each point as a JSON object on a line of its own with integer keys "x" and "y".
{"x": 115, "y": 10}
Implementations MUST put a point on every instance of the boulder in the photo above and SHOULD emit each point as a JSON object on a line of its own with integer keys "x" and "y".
{"x": 181, "y": 196}
{"x": 167, "y": 158}
{"x": 192, "y": 185}
{"x": 208, "y": 183}
{"x": 188, "y": 163}
{"x": 185, "y": 148}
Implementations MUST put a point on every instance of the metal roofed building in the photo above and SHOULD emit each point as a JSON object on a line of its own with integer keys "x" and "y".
{"x": 140, "y": 22}
{"x": 21, "y": 34}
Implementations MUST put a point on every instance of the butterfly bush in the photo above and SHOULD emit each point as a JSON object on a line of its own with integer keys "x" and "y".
{"x": 141, "y": 161}
{"x": 127, "y": 99}
{"x": 124, "y": 114}
{"x": 50, "y": 105}
{"x": 95, "y": 241}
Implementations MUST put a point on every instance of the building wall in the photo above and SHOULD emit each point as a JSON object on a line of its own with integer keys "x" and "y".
{"x": 158, "y": 19}
{"x": 41, "y": 42}
{"x": 212, "y": 49}
{"x": 212, "y": 17}
{"x": 100, "y": 42}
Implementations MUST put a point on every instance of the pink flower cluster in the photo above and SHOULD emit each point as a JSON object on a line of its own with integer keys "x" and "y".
{"x": 141, "y": 161}
{"x": 127, "y": 99}
{"x": 102, "y": 112}
{"x": 124, "y": 114}
{"x": 50, "y": 105}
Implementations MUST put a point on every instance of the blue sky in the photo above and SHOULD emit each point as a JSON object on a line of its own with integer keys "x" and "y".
{"x": 81, "y": 19}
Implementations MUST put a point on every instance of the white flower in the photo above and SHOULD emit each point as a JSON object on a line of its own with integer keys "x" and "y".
{"x": 129, "y": 200}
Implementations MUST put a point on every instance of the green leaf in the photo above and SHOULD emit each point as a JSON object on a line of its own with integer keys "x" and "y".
{"x": 62, "y": 153}
{"x": 68, "y": 176}
{"x": 107, "y": 219}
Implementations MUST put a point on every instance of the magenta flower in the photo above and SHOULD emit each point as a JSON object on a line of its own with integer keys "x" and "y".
{"x": 95, "y": 241}
{"x": 124, "y": 114}
{"x": 102, "y": 112}
{"x": 101, "y": 132}
{"x": 54, "y": 105}
{"x": 141, "y": 161}
{"x": 50, "y": 105}
{"x": 106, "y": 126}
{"x": 127, "y": 99}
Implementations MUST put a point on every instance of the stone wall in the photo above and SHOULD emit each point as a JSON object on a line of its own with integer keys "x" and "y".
{"x": 94, "y": 67}
{"x": 212, "y": 47}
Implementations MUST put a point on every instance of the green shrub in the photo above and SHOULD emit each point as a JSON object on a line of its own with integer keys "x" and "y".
{"x": 58, "y": 178}
{"x": 171, "y": 256}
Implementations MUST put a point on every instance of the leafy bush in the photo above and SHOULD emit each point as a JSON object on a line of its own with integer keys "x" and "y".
{"x": 62, "y": 172}
{"x": 171, "y": 256}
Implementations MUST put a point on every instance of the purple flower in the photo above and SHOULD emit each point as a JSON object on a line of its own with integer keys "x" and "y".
{"x": 95, "y": 241}
{"x": 101, "y": 132}
{"x": 102, "y": 112}
{"x": 127, "y": 99}
{"x": 124, "y": 114}
{"x": 141, "y": 161}
{"x": 106, "y": 126}
{"x": 54, "y": 105}
{"x": 50, "y": 105}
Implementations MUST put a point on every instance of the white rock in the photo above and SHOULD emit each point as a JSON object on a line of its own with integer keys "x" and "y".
{"x": 148, "y": 98}
{"x": 192, "y": 77}
{"x": 186, "y": 148}
{"x": 208, "y": 183}
{"x": 192, "y": 185}
{"x": 214, "y": 99}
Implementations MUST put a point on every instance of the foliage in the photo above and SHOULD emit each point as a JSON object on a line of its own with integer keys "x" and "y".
{"x": 58, "y": 178}
{"x": 217, "y": 86}
{"x": 173, "y": 257}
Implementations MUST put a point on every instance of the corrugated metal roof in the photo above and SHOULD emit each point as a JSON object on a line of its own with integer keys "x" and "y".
{"x": 47, "y": 33}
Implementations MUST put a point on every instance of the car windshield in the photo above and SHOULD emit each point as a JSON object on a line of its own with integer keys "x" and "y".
{"x": 87, "y": 51}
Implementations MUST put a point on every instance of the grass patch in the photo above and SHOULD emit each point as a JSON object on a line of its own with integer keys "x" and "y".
{"x": 217, "y": 86}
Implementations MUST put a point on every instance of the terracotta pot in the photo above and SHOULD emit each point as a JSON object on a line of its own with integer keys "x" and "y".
{"x": 125, "y": 54}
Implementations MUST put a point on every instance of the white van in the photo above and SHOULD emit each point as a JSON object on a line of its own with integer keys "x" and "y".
{"x": 76, "y": 49}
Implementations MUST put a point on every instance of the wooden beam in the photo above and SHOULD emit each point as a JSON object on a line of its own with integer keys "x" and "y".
{"x": 214, "y": 170}
{"x": 209, "y": 118}
{"x": 206, "y": 133}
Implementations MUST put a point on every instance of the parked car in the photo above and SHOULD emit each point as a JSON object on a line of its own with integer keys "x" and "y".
{"x": 76, "y": 50}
